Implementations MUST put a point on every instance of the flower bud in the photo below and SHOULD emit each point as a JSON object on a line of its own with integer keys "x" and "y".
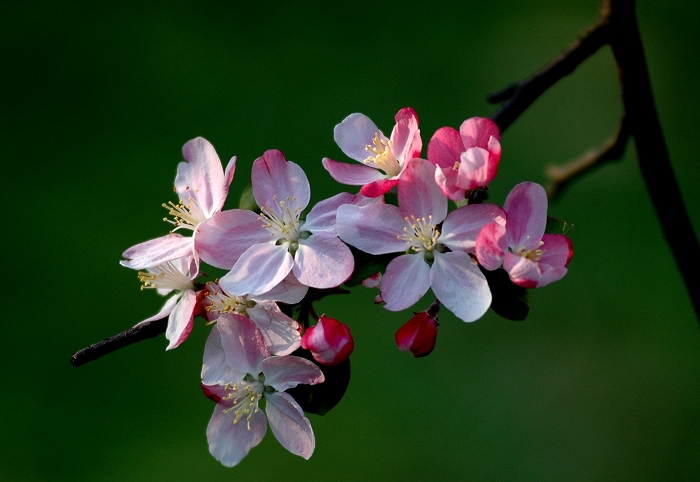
{"x": 419, "y": 334}
{"x": 329, "y": 341}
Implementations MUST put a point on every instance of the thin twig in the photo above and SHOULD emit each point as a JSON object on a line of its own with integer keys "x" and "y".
{"x": 561, "y": 175}
{"x": 125, "y": 338}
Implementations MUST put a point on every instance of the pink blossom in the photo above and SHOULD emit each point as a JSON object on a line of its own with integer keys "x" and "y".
{"x": 531, "y": 258}
{"x": 419, "y": 334}
{"x": 329, "y": 341}
{"x": 279, "y": 241}
{"x": 383, "y": 160}
{"x": 436, "y": 244}
{"x": 465, "y": 160}
{"x": 237, "y": 372}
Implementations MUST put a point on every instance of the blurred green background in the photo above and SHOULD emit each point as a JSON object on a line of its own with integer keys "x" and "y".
{"x": 601, "y": 382}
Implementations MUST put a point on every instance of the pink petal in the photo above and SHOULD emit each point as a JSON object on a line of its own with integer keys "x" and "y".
{"x": 477, "y": 131}
{"x": 405, "y": 281}
{"x": 354, "y": 134}
{"x": 323, "y": 261}
{"x": 445, "y": 178}
{"x": 445, "y": 148}
{"x": 373, "y": 229}
{"x": 215, "y": 370}
{"x": 258, "y": 270}
{"x": 275, "y": 180}
{"x": 522, "y": 271}
{"x": 473, "y": 168}
{"x": 289, "y": 291}
{"x": 460, "y": 286}
{"x": 550, "y": 274}
{"x": 290, "y": 426}
{"x": 167, "y": 308}
{"x": 405, "y": 136}
{"x": 322, "y": 215}
{"x": 222, "y": 239}
{"x": 462, "y": 226}
{"x": 201, "y": 177}
{"x": 281, "y": 333}
{"x": 419, "y": 195}
{"x": 378, "y": 188}
{"x": 526, "y": 209}
{"x": 557, "y": 249}
{"x": 494, "y": 148}
{"x": 351, "y": 174}
{"x": 230, "y": 442}
{"x": 491, "y": 246}
{"x": 285, "y": 372}
{"x": 181, "y": 320}
{"x": 329, "y": 341}
{"x": 157, "y": 251}
{"x": 243, "y": 344}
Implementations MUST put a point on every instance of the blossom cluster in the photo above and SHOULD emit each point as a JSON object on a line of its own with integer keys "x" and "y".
{"x": 278, "y": 258}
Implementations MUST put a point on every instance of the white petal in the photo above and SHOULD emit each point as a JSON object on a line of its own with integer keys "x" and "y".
{"x": 243, "y": 344}
{"x": 460, "y": 286}
{"x": 419, "y": 194}
{"x": 281, "y": 333}
{"x": 157, "y": 251}
{"x": 354, "y": 134}
{"x": 258, "y": 270}
{"x": 373, "y": 229}
{"x": 215, "y": 370}
{"x": 323, "y": 261}
{"x": 167, "y": 308}
{"x": 229, "y": 442}
{"x": 290, "y": 426}
{"x": 405, "y": 281}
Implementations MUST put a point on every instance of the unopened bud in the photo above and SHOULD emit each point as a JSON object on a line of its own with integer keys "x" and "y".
{"x": 329, "y": 341}
{"x": 419, "y": 334}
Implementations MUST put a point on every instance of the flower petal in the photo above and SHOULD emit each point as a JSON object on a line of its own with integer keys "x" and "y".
{"x": 473, "y": 168}
{"x": 557, "y": 250}
{"x": 289, "y": 290}
{"x": 352, "y": 174}
{"x": 445, "y": 178}
{"x": 201, "y": 177}
{"x": 354, "y": 134}
{"x": 445, "y": 147}
{"x": 460, "y": 286}
{"x": 374, "y": 229}
{"x": 222, "y": 239}
{"x": 157, "y": 251}
{"x": 550, "y": 274}
{"x": 405, "y": 136}
{"x": 419, "y": 195}
{"x": 181, "y": 319}
{"x": 281, "y": 333}
{"x": 405, "y": 281}
{"x": 477, "y": 132}
{"x": 378, "y": 188}
{"x": 491, "y": 246}
{"x": 526, "y": 208}
{"x": 229, "y": 442}
{"x": 215, "y": 370}
{"x": 258, "y": 270}
{"x": 243, "y": 344}
{"x": 462, "y": 226}
{"x": 290, "y": 426}
{"x": 323, "y": 261}
{"x": 522, "y": 271}
{"x": 322, "y": 215}
{"x": 284, "y": 372}
{"x": 167, "y": 308}
{"x": 275, "y": 179}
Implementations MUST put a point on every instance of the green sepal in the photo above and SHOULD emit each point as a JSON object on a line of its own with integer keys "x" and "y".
{"x": 557, "y": 226}
{"x": 247, "y": 200}
{"x": 509, "y": 300}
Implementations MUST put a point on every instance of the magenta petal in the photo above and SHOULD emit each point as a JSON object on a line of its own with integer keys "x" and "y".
{"x": 477, "y": 131}
{"x": 419, "y": 195}
{"x": 463, "y": 225}
{"x": 323, "y": 261}
{"x": 181, "y": 319}
{"x": 445, "y": 147}
{"x": 351, "y": 174}
{"x": 373, "y": 229}
{"x": 405, "y": 281}
{"x": 277, "y": 180}
{"x": 221, "y": 239}
{"x": 491, "y": 246}
{"x": 290, "y": 426}
{"x": 378, "y": 188}
{"x": 201, "y": 177}
{"x": 157, "y": 251}
{"x": 526, "y": 209}
{"x": 445, "y": 178}
{"x": 285, "y": 372}
{"x": 557, "y": 250}
{"x": 258, "y": 270}
{"x": 405, "y": 136}
{"x": 460, "y": 286}
{"x": 243, "y": 344}
{"x": 354, "y": 134}
{"x": 522, "y": 271}
{"x": 230, "y": 442}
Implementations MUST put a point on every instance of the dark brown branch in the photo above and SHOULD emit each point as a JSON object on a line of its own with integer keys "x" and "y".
{"x": 560, "y": 176}
{"x": 125, "y": 338}
{"x": 520, "y": 95}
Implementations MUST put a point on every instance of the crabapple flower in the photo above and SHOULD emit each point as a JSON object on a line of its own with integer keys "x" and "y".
{"x": 279, "y": 241}
{"x": 329, "y": 341}
{"x": 202, "y": 186}
{"x": 282, "y": 334}
{"x": 176, "y": 277}
{"x": 435, "y": 244}
{"x": 467, "y": 159}
{"x": 383, "y": 160}
{"x": 531, "y": 258}
{"x": 237, "y": 372}
{"x": 419, "y": 334}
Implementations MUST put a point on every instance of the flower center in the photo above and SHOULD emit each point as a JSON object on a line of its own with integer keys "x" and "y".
{"x": 185, "y": 216}
{"x": 165, "y": 277}
{"x": 534, "y": 254}
{"x": 282, "y": 222}
{"x": 421, "y": 234}
{"x": 222, "y": 302}
{"x": 382, "y": 156}
{"x": 244, "y": 396}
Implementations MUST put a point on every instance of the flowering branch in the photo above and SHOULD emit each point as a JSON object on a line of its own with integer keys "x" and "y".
{"x": 617, "y": 27}
{"x": 560, "y": 176}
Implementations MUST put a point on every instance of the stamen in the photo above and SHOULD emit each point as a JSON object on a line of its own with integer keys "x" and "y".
{"x": 165, "y": 276}
{"x": 185, "y": 216}
{"x": 421, "y": 234}
{"x": 245, "y": 399}
{"x": 534, "y": 254}
{"x": 283, "y": 221}
{"x": 382, "y": 156}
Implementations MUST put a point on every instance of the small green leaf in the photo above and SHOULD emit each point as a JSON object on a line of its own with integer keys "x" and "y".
{"x": 247, "y": 200}
{"x": 321, "y": 398}
{"x": 509, "y": 300}
{"x": 557, "y": 226}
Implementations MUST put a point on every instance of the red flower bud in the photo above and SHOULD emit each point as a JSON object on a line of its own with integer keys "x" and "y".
{"x": 419, "y": 334}
{"x": 329, "y": 341}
